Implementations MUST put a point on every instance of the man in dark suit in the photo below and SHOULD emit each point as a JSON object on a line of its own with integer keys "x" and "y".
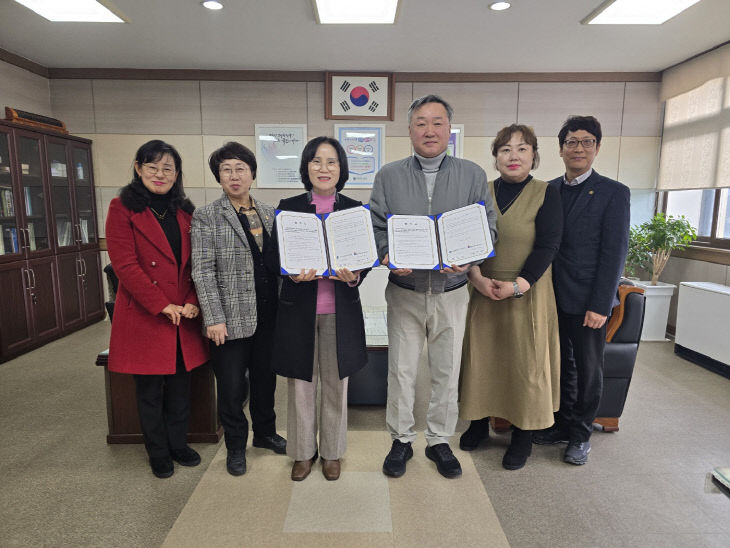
{"x": 586, "y": 273}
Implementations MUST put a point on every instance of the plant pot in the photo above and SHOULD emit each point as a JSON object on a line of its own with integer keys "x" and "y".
{"x": 656, "y": 314}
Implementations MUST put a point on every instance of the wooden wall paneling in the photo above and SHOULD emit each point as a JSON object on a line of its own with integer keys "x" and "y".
{"x": 545, "y": 106}
{"x": 72, "y": 102}
{"x": 151, "y": 107}
{"x": 234, "y": 108}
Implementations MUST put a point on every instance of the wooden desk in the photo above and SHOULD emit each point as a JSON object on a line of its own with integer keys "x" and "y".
{"x": 121, "y": 406}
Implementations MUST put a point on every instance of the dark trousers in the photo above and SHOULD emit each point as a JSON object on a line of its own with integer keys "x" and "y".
{"x": 163, "y": 404}
{"x": 581, "y": 375}
{"x": 230, "y": 362}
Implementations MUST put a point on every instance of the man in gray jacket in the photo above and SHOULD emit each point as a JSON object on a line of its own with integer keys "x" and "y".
{"x": 425, "y": 305}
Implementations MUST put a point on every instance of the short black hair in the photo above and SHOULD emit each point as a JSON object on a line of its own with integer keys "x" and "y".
{"x": 308, "y": 154}
{"x": 135, "y": 192}
{"x": 575, "y": 123}
{"x": 231, "y": 151}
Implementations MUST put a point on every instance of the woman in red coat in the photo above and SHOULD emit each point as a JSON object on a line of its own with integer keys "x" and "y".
{"x": 156, "y": 332}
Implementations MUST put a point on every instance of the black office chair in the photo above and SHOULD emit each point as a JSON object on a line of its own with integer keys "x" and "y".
{"x": 623, "y": 335}
{"x": 113, "y": 287}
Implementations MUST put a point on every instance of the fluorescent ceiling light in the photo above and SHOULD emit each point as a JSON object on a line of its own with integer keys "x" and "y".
{"x": 636, "y": 12}
{"x": 85, "y": 11}
{"x": 499, "y": 6}
{"x": 212, "y": 5}
{"x": 355, "y": 12}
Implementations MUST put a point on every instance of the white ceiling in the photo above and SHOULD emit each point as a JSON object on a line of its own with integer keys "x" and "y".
{"x": 429, "y": 36}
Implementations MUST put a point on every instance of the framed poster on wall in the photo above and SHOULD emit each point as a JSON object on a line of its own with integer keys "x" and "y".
{"x": 358, "y": 96}
{"x": 365, "y": 148}
{"x": 278, "y": 152}
{"x": 456, "y": 141}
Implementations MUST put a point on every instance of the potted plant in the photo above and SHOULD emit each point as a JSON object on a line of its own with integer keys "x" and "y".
{"x": 638, "y": 257}
{"x": 660, "y": 236}
{"x": 650, "y": 246}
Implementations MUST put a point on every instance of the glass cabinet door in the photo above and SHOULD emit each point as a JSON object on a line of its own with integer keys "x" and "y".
{"x": 34, "y": 200}
{"x": 9, "y": 242}
{"x": 84, "y": 195}
{"x": 61, "y": 194}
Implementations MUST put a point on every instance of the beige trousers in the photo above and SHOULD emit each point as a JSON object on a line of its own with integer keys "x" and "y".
{"x": 301, "y": 426}
{"x": 439, "y": 320}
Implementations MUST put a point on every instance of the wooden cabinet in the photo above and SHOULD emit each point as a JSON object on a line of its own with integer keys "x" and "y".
{"x": 82, "y": 300}
{"x": 15, "y": 319}
{"x": 28, "y": 304}
{"x": 50, "y": 272}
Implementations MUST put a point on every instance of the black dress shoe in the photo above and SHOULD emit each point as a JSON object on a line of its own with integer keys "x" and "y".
{"x": 519, "y": 449}
{"x": 395, "y": 462}
{"x": 187, "y": 456}
{"x": 577, "y": 452}
{"x": 236, "y": 462}
{"x": 273, "y": 441}
{"x": 549, "y": 436}
{"x": 162, "y": 467}
{"x": 447, "y": 464}
{"x": 477, "y": 432}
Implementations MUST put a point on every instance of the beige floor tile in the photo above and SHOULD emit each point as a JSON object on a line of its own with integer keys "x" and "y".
{"x": 358, "y": 502}
{"x": 429, "y": 510}
{"x": 363, "y": 508}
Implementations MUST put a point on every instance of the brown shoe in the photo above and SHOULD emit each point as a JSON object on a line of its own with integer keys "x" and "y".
{"x": 331, "y": 469}
{"x": 302, "y": 468}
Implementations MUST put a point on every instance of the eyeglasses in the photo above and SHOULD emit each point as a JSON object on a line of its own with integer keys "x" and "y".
{"x": 239, "y": 171}
{"x": 330, "y": 164}
{"x": 573, "y": 143}
{"x": 152, "y": 169}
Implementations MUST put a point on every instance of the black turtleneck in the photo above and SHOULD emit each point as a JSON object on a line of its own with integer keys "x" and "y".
{"x": 160, "y": 206}
{"x": 548, "y": 226}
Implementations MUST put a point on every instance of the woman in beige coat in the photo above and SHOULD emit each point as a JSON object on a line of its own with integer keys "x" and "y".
{"x": 511, "y": 359}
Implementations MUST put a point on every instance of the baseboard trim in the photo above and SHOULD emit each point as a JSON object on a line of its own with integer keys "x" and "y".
{"x": 708, "y": 363}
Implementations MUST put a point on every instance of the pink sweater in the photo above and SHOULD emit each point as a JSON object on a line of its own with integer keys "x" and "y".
{"x": 326, "y": 288}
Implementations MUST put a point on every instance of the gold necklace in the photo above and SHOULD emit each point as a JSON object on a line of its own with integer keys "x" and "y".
{"x": 160, "y": 216}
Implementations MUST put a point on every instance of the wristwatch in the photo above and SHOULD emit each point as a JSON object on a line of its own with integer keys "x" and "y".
{"x": 517, "y": 294}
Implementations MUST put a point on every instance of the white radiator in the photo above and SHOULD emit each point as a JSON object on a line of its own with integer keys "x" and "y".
{"x": 703, "y": 319}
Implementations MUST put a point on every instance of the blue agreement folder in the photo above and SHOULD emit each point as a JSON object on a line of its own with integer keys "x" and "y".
{"x": 434, "y": 242}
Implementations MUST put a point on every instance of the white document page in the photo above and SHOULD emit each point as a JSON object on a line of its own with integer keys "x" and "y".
{"x": 464, "y": 235}
{"x": 350, "y": 238}
{"x": 412, "y": 242}
{"x": 301, "y": 242}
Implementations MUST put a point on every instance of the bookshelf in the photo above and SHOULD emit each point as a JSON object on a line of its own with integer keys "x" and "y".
{"x": 50, "y": 267}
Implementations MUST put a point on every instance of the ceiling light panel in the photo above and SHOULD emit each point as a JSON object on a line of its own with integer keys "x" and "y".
{"x": 637, "y": 12}
{"x": 84, "y": 11}
{"x": 499, "y": 6}
{"x": 355, "y": 12}
{"x": 212, "y": 5}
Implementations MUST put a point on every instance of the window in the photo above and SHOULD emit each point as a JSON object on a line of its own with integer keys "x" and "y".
{"x": 708, "y": 210}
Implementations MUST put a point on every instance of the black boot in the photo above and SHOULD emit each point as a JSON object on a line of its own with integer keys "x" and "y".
{"x": 519, "y": 449}
{"x": 477, "y": 432}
